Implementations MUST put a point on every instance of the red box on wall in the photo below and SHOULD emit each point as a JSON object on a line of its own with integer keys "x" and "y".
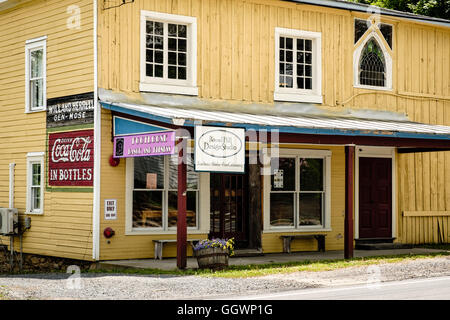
{"x": 71, "y": 158}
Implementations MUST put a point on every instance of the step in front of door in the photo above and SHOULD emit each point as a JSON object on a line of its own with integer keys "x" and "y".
{"x": 382, "y": 246}
{"x": 247, "y": 253}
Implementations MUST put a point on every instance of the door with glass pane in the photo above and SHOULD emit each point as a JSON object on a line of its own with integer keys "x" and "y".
{"x": 228, "y": 214}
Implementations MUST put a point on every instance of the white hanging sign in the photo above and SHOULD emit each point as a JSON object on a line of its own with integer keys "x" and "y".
{"x": 278, "y": 179}
{"x": 110, "y": 209}
{"x": 219, "y": 149}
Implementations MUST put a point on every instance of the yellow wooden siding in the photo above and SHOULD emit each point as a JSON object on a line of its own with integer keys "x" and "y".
{"x": 65, "y": 228}
{"x": 235, "y": 62}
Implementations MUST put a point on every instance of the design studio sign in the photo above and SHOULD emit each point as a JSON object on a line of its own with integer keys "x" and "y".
{"x": 71, "y": 158}
{"x": 219, "y": 149}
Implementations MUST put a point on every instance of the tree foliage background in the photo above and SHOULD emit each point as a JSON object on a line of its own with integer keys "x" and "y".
{"x": 432, "y": 8}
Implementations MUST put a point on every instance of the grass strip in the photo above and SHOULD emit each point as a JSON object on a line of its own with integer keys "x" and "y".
{"x": 256, "y": 270}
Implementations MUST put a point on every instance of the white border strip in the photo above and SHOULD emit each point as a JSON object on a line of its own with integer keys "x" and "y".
{"x": 97, "y": 152}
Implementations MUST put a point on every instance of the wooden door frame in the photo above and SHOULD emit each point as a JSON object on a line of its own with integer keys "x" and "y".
{"x": 245, "y": 189}
{"x": 376, "y": 152}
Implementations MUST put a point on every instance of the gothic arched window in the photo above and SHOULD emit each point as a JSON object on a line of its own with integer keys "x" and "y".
{"x": 372, "y": 65}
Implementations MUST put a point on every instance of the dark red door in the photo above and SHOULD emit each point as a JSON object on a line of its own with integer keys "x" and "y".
{"x": 228, "y": 206}
{"x": 375, "y": 198}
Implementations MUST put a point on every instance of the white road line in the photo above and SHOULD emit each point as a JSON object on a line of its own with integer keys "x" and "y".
{"x": 324, "y": 290}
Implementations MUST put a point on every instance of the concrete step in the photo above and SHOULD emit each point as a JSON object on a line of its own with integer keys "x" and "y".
{"x": 247, "y": 253}
{"x": 382, "y": 246}
{"x": 374, "y": 240}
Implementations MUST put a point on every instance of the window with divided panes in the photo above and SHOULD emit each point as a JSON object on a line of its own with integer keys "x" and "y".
{"x": 296, "y": 63}
{"x": 373, "y": 69}
{"x": 166, "y": 50}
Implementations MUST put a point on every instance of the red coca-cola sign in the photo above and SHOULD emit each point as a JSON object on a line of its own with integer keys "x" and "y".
{"x": 71, "y": 158}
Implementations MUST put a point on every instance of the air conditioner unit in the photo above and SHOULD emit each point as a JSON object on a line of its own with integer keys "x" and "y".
{"x": 9, "y": 221}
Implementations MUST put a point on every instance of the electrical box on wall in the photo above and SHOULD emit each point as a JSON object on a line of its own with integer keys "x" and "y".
{"x": 9, "y": 221}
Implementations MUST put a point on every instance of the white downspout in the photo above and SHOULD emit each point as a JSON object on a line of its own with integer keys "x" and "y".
{"x": 97, "y": 152}
{"x": 11, "y": 184}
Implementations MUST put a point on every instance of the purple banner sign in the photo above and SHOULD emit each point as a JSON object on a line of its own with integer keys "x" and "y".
{"x": 143, "y": 145}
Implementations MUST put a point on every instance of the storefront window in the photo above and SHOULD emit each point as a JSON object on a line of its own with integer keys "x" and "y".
{"x": 297, "y": 192}
{"x": 155, "y": 195}
{"x": 311, "y": 191}
{"x": 282, "y": 197}
{"x": 191, "y": 195}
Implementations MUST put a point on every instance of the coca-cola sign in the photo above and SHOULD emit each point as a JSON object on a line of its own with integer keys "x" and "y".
{"x": 71, "y": 158}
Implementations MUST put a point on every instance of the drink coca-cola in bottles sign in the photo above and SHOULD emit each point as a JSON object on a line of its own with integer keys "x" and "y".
{"x": 71, "y": 158}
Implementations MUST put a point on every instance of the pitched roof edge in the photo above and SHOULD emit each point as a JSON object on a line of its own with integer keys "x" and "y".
{"x": 361, "y": 7}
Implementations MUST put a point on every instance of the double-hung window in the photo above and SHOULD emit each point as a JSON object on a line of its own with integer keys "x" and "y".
{"x": 35, "y": 75}
{"x": 168, "y": 53}
{"x": 155, "y": 193}
{"x": 298, "y": 75}
{"x": 35, "y": 183}
{"x": 298, "y": 195}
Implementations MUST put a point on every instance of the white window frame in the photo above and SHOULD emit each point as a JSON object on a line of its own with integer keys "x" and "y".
{"x": 300, "y": 95}
{"x": 30, "y": 46}
{"x": 33, "y": 158}
{"x": 150, "y": 84}
{"x": 373, "y": 32}
{"x": 202, "y": 222}
{"x": 326, "y": 215}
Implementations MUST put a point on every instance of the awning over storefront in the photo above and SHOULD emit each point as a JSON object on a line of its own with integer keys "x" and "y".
{"x": 331, "y": 129}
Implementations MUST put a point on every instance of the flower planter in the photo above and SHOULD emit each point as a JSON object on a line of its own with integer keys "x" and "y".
{"x": 212, "y": 258}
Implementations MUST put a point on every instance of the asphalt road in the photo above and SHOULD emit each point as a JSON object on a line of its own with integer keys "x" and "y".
{"x": 437, "y": 288}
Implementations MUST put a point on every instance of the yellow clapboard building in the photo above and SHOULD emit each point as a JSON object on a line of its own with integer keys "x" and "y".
{"x": 307, "y": 124}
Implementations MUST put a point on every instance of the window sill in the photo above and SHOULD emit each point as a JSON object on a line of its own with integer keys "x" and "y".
{"x": 297, "y": 97}
{"x": 168, "y": 88}
{"x": 372, "y": 87}
{"x": 290, "y": 230}
{"x": 34, "y": 213}
{"x": 36, "y": 110}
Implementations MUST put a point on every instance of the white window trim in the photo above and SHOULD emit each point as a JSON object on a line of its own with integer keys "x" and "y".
{"x": 387, "y": 57}
{"x": 308, "y": 153}
{"x": 375, "y": 152}
{"x": 34, "y": 157}
{"x": 186, "y": 87}
{"x": 30, "y": 45}
{"x": 203, "y": 205}
{"x": 300, "y": 95}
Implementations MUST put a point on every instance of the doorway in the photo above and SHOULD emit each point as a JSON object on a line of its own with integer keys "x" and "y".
{"x": 229, "y": 207}
{"x": 375, "y": 198}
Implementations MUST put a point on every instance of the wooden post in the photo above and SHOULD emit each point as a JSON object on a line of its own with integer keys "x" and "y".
{"x": 181, "y": 218}
{"x": 254, "y": 183}
{"x": 349, "y": 192}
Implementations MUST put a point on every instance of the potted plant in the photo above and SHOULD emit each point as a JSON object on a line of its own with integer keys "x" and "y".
{"x": 214, "y": 253}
